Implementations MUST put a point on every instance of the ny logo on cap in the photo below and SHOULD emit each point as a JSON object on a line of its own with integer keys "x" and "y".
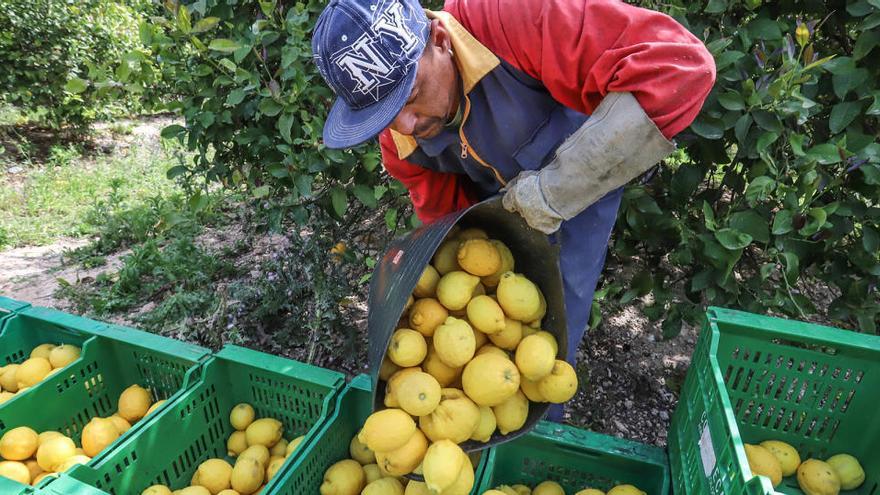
{"x": 364, "y": 60}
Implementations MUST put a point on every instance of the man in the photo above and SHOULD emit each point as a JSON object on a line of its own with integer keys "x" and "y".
{"x": 554, "y": 103}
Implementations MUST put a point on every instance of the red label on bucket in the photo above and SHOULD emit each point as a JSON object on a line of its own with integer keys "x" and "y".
{"x": 397, "y": 257}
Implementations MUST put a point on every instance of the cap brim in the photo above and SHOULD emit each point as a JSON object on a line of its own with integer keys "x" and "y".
{"x": 346, "y": 127}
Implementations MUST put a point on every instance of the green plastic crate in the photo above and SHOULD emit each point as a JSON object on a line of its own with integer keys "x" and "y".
{"x": 756, "y": 378}
{"x": 195, "y": 427}
{"x": 332, "y": 443}
{"x": 576, "y": 459}
{"x": 9, "y": 307}
{"x": 112, "y": 359}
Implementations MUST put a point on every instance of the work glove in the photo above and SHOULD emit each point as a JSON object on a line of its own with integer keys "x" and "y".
{"x": 617, "y": 144}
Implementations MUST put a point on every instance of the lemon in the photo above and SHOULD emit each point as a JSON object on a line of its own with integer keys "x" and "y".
{"x": 590, "y": 491}
{"x": 229, "y": 492}
{"x": 446, "y": 258}
{"x": 42, "y": 351}
{"x": 472, "y": 233}
{"x": 372, "y": 473}
{"x": 418, "y": 393}
{"x": 625, "y": 490}
{"x": 485, "y": 315}
{"x": 97, "y": 435}
{"x": 762, "y": 462}
{"x": 247, "y": 475}
{"x": 427, "y": 284}
{"x": 33, "y": 467}
{"x": 192, "y": 490}
{"x": 215, "y": 475}
{"x": 490, "y": 379}
{"x": 5, "y": 396}
{"x": 264, "y": 431}
{"x": 63, "y": 355}
{"x": 157, "y": 490}
{"x": 848, "y": 470}
{"x": 258, "y": 452}
{"x": 492, "y": 349}
{"x": 383, "y": 486}
{"x": 536, "y": 317}
{"x": 788, "y": 457}
{"x": 454, "y": 342}
{"x": 522, "y": 489}
{"x": 511, "y": 414}
{"x": 387, "y": 369}
{"x": 407, "y": 347}
{"x": 528, "y": 329}
{"x": 7, "y": 379}
{"x": 387, "y": 430}
{"x": 343, "y": 478}
{"x": 464, "y": 482}
{"x": 293, "y": 445}
{"x": 55, "y": 451}
{"x": 560, "y": 385}
{"x": 510, "y": 336}
{"x": 817, "y": 478}
{"x": 507, "y": 264}
{"x": 499, "y": 492}
{"x": 72, "y": 461}
{"x": 279, "y": 449}
{"x": 518, "y": 297}
{"x": 394, "y": 382}
{"x": 120, "y": 423}
{"x": 443, "y": 463}
{"x": 548, "y": 488}
{"x": 134, "y": 403}
{"x": 530, "y": 389}
{"x": 40, "y": 477}
{"x": 443, "y": 373}
{"x": 455, "y": 418}
{"x": 16, "y": 471}
{"x": 426, "y": 315}
{"x": 236, "y": 444}
{"x": 360, "y": 452}
{"x": 154, "y": 406}
{"x": 480, "y": 338}
{"x": 417, "y": 488}
{"x": 404, "y": 459}
{"x": 241, "y": 416}
{"x": 550, "y": 338}
{"x": 274, "y": 466}
{"x": 506, "y": 490}
{"x": 32, "y": 371}
{"x": 409, "y": 302}
{"x": 486, "y": 426}
{"x": 455, "y": 289}
{"x": 535, "y": 357}
{"x": 479, "y": 257}
{"x": 18, "y": 444}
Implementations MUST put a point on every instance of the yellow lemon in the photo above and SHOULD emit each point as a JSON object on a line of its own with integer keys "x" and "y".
{"x": 5, "y": 396}
{"x": 264, "y": 431}
{"x": 157, "y": 490}
{"x": 360, "y": 452}
{"x": 384, "y": 486}
{"x": 236, "y": 444}
{"x": 530, "y": 389}
{"x": 455, "y": 289}
{"x": 560, "y": 385}
{"x": 486, "y": 426}
{"x": 343, "y": 478}
{"x": 463, "y": 483}
{"x": 72, "y": 461}
{"x": 258, "y": 452}
{"x": 394, "y": 383}
{"x": 427, "y": 284}
{"x": 418, "y": 393}
{"x": 523, "y": 490}
{"x": 426, "y": 315}
{"x": 63, "y": 355}
{"x": 762, "y": 462}
{"x": 454, "y": 342}
{"x": 155, "y": 406}
{"x": 788, "y": 457}
{"x": 404, "y": 459}
{"x": 55, "y": 451}
{"x": 120, "y": 423}
{"x": 387, "y": 430}
{"x": 535, "y": 357}
{"x": 134, "y": 403}
{"x": 97, "y": 435}
{"x": 32, "y": 371}
{"x": 443, "y": 463}
{"x": 247, "y": 475}
{"x": 817, "y": 478}
{"x": 387, "y": 369}
{"x": 590, "y": 491}
{"x": 625, "y": 490}
{"x": 241, "y": 416}
{"x": 479, "y": 257}
{"x": 192, "y": 490}
{"x": 372, "y": 473}
{"x": 417, "y": 488}
{"x": 512, "y": 413}
{"x": 848, "y": 470}
{"x": 274, "y": 466}
{"x": 16, "y": 471}
{"x": 472, "y": 233}
{"x": 518, "y": 296}
{"x": 407, "y": 347}
{"x": 492, "y": 349}
{"x": 293, "y": 445}
{"x": 490, "y": 379}
{"x": 33, "y": 467}
{"x": 215, "y": 475}
{"x": 510, "y": 336}
{"x": 548, "y": 488}
{"x": 446, "y": 258}
{"x": 507, "y": 264}
{"x": 455, "y": 418}
{"x": 19, "y": 444}
{"x": 443, "y": 373}
{"x": 7, "y": 379}
{"x": 485, "y": 315}
{"x": 279, "y": 449}
{"x": 42, "y": 351}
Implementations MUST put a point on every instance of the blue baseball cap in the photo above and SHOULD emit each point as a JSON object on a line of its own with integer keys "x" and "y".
{"x": 368, "y": 52}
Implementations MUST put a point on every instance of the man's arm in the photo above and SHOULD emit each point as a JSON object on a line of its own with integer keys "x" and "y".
{"x": 582, "y": 50}
{"x": 433, "y": 194}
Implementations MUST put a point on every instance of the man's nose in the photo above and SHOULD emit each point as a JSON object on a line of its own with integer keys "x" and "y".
{"x": 405, "y": 122}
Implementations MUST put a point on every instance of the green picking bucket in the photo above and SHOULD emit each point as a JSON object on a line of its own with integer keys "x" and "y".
{"x": 756, "y": 378}
{"x": 112, "y": 359}
{"x": 397, "y": 273}
{"x": 576, "y": 459}
{"x": 195, "y": 426}
{"x": 331, "y": 445}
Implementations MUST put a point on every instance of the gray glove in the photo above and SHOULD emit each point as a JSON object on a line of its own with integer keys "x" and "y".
{"x": 614, "y": 146}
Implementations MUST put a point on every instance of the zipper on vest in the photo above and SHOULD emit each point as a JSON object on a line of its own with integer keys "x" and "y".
{"x": 466, "y": 147}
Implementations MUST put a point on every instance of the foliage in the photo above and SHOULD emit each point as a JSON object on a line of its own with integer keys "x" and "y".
{"x": 72, "y": 62}
{"x": 255, "y": 105}
{"x": 780, "y": 182}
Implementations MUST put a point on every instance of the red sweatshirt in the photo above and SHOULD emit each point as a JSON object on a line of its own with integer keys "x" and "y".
{"x": 580, "y": 50}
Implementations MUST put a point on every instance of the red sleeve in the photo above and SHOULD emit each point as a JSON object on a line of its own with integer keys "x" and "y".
{"x": 433, "y": 194}
{"x": 583, "y": 49}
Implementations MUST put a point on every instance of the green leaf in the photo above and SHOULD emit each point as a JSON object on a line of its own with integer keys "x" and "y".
{"x": 764, "y": 28}
{"x": 304, "y": 184}
{"x": 869, "y": 22}
{"x": 285, "y": 123}
{"x": 825, "y": 153}
{"x": 224, "y": 45}
{"x": 782, "y": 222}
{"x": 867, "y": 323}
{"x": 759, "y": 188}
{"x": 707, "y": 128}
{"x": 866, "y": 42}
{"x": 733, "y": 239}
{"x": 731, "y": 100}
{"x": 267, "y": 7}
{"x": 198, "y": 201}
{"x": 874, "y": 109}
{"x": 765, "y": 141}
{"x": 741, "y": 129}
{"x": 716, "y": 6}
{"x": 235, "y": 97}
{"x": 370, "y": 161}
{"x": 708, "y": 216}
{"x": 76, "y": 85}
{"x": 767, "y": 121}
{"x": 365, "y": 195}
{"x": 278, "y": 171}
{"x": 860, "y": 8}
{"x": 871, "y": 173}
{"x": 817, "y": 216}
{"x": 228, "y": 64}
{"x": 751, "y": 223}
{"x": 671, "y": 325}
{"x": 172, "y": 131}
{"x": 843, "y": 114}
{"x": 797, "y": 144}
{"x": 270, "y": 107}
{"x": 792, "y": 266}
{"x": 339, "y": 200}
{"x": 206, "y": 24}
{"x": 183, "y": 20}
{"x": 262, "y": 191}
{"x": 870, "y": 239}
{"x": 391, "y": 218}
{"x": 176, "y": 171}
{"x": 717, "y": 46}
{"x": 145, "y": 33}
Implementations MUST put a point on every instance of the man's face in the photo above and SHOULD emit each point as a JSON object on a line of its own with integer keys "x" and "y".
{"x": 434, "y": 99}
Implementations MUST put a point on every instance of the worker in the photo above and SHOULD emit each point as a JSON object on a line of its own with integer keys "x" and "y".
{"x": 555, "y": 104}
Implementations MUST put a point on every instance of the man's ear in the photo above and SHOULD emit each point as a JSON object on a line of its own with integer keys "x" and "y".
{"x": 440, "y": 38}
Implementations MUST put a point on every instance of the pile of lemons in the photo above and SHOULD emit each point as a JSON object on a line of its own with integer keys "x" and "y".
{"x": 28, "y": 457}
{"x": 259, "y": 449}
{"x": 369, "y": 473}
{"x": 553, "y": 488}
{"x": 776, "y": 460}
{"x": 44, "y": 360}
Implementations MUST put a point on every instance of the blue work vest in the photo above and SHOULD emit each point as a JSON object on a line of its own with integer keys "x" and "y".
{"x": 512, "y": 123}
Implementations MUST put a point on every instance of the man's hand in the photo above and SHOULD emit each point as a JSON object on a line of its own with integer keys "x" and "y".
{"x": 614, "y": 146}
